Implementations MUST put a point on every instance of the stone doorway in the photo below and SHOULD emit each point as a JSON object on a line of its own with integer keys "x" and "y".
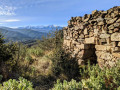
{"x": 87, "y": 53}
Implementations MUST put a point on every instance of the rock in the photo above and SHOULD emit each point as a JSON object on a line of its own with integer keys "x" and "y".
{"x": 111, "y": 27}
{"x": 110, "y": 31}
{"x": 80, "y": 40}
{"x": 104, "y": 12}
{"x": 68, "y": 37}
{"x": 77, "y": 27}
{"x": 91, "y": 34}
{"x": 86, "y": 19}
{"x": 102, "y": 48}
{"x": 78, "y": 18}
{"x": 119, "y": 44}
{"x": 85, "y": 31}
{"x": 115, "y": 37}
{"x": 115, "y": 49}
{"x": 69, "y": 22}
{"x": 116, "y": 30}
{"x": 82, "y": 36}
{"x": 100, "y": 19}
{"x": 89, "y": 15}
{"x": 92, "y": 21}
{"x": 84, "y": 46}
{"x": 106, "y": 56}
{"x": 113, "y": 15}
{"x": 108, "y": 41}
{"x": 96, "y": 31}
{"x": 104, "y": 35}
{"x": 111, "y": 21}
{"x": 101, "y": 61}
{"x": 101, "y": 23}
{"x": 80, "y": 62}
{"x": 116, "y": 54}
{"x": 90, "y": 40}
{"x": 81, "y": 26}
{"x": 75, "y": 42}
{"x": 117, "y": 25}
{"x": 107, "y": 19}
{"x": 94, "y": 12}
{"x": 111, "y": 63}
{"x": 104, "y": 31}
{"x": 98, "y": 54}
{"x": 67, "y": 42}
{"x": 113, "y": 44}
{"x": 118, "y": 21}
{"x": 103, "y": 40}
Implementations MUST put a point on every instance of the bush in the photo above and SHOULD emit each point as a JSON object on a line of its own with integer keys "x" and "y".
{"x": 72, "y": 85}
{"x": 7, "y": 57}
{"x": 22, "y": 84}
{"x": 94, "y": 78}
{"x": 108, "y": 78}
{"x": 29, "y": 59}
{"x": 63, "y": 66}
{"x": 36, "y": 51}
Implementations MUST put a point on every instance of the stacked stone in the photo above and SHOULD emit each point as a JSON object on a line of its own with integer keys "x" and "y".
{"x": 96, "y": 34}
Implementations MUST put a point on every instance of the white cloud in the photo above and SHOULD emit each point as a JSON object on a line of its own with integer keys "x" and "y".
{"x": 11, "y": 20}
{"x": 7, "y": 10}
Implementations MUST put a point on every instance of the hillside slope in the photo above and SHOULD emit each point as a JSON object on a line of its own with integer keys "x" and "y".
{"x": 26, "y": 33}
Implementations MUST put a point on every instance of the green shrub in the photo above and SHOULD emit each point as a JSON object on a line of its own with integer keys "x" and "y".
{"x": 108, "y": 78}
{"x": 72, "y": 85}
{"x": 63, "y": 66}
{"x": 29, "y": 59}
{"x": 94, "y": 78}
{"x": 36, "y": 51}
{"x": 22, "y": 84}
{"x": 7, "y": 57}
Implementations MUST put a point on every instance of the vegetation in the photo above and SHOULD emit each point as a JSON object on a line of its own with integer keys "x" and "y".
{"x": 7, "y": 57}
{"x": 45, "y": 65}
{"x": 22, "y": 84}
{"x": 72, "y": 85}
{"x": 93, "y": 78}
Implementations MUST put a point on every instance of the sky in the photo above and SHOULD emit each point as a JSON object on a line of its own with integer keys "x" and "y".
{"x": 17, "y": 13}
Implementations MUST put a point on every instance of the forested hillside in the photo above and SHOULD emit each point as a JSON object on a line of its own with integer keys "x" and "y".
{"x": 22, "y": 34}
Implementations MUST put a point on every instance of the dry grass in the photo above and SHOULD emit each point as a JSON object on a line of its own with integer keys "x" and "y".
{"x": 42, "y": 64}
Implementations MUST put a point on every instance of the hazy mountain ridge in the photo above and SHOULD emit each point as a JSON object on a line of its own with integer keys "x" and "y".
{"x": 26, "y": 33}
{"x": 42, "y": 28}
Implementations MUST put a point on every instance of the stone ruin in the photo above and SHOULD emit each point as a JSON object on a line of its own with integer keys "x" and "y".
{"x": 94, "y": 37}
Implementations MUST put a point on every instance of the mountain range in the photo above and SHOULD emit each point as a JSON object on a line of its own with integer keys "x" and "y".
{"x": 26, "y": 33}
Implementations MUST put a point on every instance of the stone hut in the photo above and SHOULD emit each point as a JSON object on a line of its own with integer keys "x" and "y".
{"x": 94, "y": 37}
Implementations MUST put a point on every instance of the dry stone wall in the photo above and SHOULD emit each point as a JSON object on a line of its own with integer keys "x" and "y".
{"x": 94, "y": 37}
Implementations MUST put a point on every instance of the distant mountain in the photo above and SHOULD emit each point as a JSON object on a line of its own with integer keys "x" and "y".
{"x": 27, "y": 33}
{"x": 42, "y": 28}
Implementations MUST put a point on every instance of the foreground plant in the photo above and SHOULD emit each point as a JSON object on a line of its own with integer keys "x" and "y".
{"x": 72, "y": 85}
{"x": 22, "y": 84}
{"x": 93, "y": 78}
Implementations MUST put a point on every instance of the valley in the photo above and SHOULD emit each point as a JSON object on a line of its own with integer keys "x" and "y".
{"x": 22, "y": 34}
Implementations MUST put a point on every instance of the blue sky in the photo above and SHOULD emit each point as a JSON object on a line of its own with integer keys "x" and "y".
{"x": 15, "y": 13}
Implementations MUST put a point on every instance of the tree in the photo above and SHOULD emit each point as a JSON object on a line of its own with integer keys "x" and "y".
{"x": 7, "y": 53}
